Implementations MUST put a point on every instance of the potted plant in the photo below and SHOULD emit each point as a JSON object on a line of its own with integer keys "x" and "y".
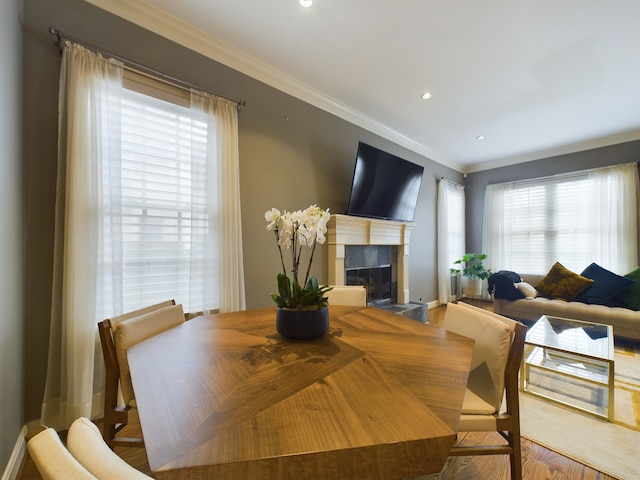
{"x": 302, "y": 308}
{"x": 473, "y": 272}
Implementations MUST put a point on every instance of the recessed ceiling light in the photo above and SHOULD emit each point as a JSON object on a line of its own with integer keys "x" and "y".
{"x": 306, "y": 3}
{"x": 425, "y": 96}
{"x": 480, "y": 137}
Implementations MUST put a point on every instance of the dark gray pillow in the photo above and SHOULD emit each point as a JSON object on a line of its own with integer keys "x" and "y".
{"x": 606, "y": 285}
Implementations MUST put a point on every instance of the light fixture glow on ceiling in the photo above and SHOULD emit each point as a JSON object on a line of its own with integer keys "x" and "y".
{"x": 306, "y": 3}
{"x": 480, "y": 137}
{"x": 425, "y": 96}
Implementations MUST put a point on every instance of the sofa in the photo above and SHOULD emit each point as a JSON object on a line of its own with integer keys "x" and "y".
{"x": 625, "y": 322}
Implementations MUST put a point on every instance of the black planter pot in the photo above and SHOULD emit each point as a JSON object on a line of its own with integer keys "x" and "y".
{"x": 302, "y": 324}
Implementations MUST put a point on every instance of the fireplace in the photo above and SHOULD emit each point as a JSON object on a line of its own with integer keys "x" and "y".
{"x": 373, "y": 253}
{"x": 374, "y": 267}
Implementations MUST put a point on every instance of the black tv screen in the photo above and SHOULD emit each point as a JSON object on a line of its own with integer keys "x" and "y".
{"x": 384, "y": 185}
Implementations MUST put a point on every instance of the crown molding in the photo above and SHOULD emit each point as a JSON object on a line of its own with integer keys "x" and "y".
{"x": 157, "y": 21}
{"x": 590, "y": 144}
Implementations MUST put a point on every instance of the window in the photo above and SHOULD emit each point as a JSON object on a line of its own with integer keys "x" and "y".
{"x": 455, "y": 222}
{"x": 576, "y": 219}
{"x": 163, "y": 210}
{"x": 165, "y": 150}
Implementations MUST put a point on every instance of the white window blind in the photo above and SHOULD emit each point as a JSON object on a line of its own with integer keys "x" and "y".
{"x": 575, "y": 219}
{"x": 162, "y": 210}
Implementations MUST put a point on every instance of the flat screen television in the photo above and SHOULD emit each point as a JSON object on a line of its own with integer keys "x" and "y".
{"x": 384, "y": 185}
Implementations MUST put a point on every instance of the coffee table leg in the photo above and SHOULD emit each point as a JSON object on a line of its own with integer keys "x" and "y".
{"x": 611, "y": 392}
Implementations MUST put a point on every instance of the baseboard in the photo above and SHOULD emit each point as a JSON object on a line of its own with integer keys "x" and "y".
{"x": 15, "y": 461}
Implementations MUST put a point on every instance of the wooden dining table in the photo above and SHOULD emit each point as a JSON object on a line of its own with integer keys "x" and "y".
{"x": 224, "y": 396}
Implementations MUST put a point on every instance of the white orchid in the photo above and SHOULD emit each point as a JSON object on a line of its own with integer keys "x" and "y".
{"x": 294, "y": 230}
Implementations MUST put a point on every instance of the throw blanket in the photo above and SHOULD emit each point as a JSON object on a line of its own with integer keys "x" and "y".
{"x": 501, "y": 285}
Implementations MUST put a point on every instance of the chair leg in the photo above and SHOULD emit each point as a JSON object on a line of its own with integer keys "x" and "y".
{"x": 113, "y": 422}
{"x": 515, "y": 458}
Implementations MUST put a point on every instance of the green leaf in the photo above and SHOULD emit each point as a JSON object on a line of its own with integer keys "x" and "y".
{"x": 293, "y": 296}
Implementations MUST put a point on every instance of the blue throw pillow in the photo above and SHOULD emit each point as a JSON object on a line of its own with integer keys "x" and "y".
{"x": 606, "y": 285}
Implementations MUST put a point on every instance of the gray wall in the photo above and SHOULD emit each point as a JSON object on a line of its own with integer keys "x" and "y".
{"x": 11, "y": 321}
{"x": 476, "y": 182}
{"x": 291, "y": 155}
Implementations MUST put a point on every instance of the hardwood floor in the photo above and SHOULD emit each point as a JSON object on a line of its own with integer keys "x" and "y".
{"x": 538, "y": 462}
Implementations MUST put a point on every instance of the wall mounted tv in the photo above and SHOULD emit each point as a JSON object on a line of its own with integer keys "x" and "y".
{"x": 384, "y": 186}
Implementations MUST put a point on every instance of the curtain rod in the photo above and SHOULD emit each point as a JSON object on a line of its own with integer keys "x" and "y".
{"x": 561, "y": 176}
{"x": 451, "y": 182}
{"x": 133, "y": 66}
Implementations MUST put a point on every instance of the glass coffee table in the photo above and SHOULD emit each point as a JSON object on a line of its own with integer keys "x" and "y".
{"x": 570, "y": 362}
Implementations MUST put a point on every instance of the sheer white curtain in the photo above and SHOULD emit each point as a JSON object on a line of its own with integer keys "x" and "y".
{"x": 222, "y": 160}
{"x": 576, "y": 218}
{"x": 121, "y": 194}
{"x": 451, "y": 234}
{"x": 612, "y": 212}
{"x": 88, "y": 140}
{"x": 497, "y": 229}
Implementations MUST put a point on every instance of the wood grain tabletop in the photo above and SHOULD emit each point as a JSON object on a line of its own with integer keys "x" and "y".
{"x": 226, "y": 397}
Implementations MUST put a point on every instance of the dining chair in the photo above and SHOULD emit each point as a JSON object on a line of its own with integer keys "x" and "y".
{"x": 85, "y": 443}
{"x": 133, "y": 327}
{"x": 347, "y": 295}
{"x": 491, "y": 400}
{"x": 52, "y": 459}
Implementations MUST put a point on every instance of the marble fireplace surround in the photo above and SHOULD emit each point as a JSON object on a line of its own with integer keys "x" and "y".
{"x": 346, "y": 230}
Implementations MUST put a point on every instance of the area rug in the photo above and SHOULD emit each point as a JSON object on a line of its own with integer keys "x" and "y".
{"x": 601, "y": 445}
{"x": 611, "y": 448}
{"x": 595, "y": 397}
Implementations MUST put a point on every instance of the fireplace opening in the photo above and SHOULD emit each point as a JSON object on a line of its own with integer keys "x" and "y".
{"x": 374, "y": 267}
{"x": 377, "y": 282}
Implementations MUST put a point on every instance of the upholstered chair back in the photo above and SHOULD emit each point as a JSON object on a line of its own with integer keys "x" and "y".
{"x": 347, "y": 295}
{"x": 136, "y": 329}
{"x": 85, "y": 443}
{"x": 493, "y": 335}
{"x": 53, "y": 460}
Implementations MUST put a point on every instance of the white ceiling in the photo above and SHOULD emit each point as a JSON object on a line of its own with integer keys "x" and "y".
{"x": 536, "y": 77}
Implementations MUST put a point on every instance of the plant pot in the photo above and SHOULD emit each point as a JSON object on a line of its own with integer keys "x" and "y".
{"x": 455, "y": 286}
{"x": 471, "y": 286}
{"x": 302, "y": 324}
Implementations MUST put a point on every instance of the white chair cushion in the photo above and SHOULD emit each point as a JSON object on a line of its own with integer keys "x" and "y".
{"x": 492, "y": 334}
{"x": 474, "y": 405}
{"x": 477, "y": 423}
{"x": 134, "y": 330}
{"x": 347, "y": 295}
{"x": 85, "y": 443}
{"x": 53, "y": 460}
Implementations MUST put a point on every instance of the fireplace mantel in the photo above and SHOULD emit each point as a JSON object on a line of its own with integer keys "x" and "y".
{"x": 351, "y": 230}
